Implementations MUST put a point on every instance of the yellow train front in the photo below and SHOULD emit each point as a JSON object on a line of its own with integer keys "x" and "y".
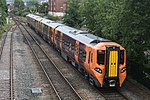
{"x": 101, "y": 61}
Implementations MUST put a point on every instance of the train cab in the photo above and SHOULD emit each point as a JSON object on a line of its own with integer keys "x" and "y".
{"x": 110, "y": 64}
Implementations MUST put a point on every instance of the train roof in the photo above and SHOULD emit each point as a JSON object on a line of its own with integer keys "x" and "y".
{"x": 82, "y": 36}
{"x": 90, "y": 39}
{"x": 46, "y": 21}
{"x": 38, "y": 18}
{"x": 55, "y": 24}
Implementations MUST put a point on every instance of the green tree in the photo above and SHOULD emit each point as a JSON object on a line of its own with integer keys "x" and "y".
{"x": 19, "y": 4}
{"x": 136, "y": 23}
{"x": 102, "y": 16}
{"x": 43, "y": 8}
{"x": 73, "y": 17}
{"x": 3, "y": 12}
{"x": 32, "y": 6}
{"x": 19, "y": 7}
{"x": 32, "y": 3}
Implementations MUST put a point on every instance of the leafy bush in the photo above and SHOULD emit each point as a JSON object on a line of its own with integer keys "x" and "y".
{"x": 24, "y": 14}
{"x": 54, "y": 18}
{"x": 2, "y": 30}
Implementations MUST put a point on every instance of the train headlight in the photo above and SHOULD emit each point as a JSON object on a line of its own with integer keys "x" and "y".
{"x": 123, "y": 69}
{"x": 98, "y": 70}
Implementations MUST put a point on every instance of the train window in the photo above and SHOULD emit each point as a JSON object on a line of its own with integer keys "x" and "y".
{"x": 76, "y": 49}
{"x": 89, "y": 57}
{"x": 63, "y": 41}
{"x": 121, "y": 56}
{"x": 58, "y": 36}
{"x": 100, "y": 57}
{"x": 50, "y": 32}
{"x": 72, "y": 48}
{"x": 45, "y": 28}
{"x": 40, "y": 25}
{"x": 36, "y": 23}
{"x": 67, "y": 44}
{"x": 82, "y": 54}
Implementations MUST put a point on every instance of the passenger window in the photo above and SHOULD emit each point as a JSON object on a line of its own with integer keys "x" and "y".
{"x": 89, "y": 57}
{"x": 82, "y": 54}
{"x": 45, "y": 28}
{"x": 76, "y": 49}
{"x": 100, "y": 57}
{"x": 50, "y": 32}
{"x": 122, "y": 57}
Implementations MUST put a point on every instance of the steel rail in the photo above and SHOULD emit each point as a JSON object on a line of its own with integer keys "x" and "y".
{"x": 11, "y": 67}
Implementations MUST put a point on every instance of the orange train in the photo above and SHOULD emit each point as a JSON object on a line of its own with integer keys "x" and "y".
{"x": 101, "y": 61}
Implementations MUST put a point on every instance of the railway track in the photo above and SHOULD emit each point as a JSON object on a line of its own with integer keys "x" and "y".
{"x": 7, "y": 81}
{"x": 61, "y": 86}
{"x": 3, "y": 42}
{"x": 112, "y": 94}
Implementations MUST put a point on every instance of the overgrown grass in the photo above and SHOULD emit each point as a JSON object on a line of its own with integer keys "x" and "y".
{"x": 2, "y": 30}
{"x": 4, "y": 27}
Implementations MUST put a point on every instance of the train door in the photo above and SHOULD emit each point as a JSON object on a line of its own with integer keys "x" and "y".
{"x": 61, "y": 36}
{"x": 112, "y": 61}
{"x": 38, "y": 25}
{"x": 53, "y": 34}
{"x": 89, "y": 59}
{"x": 76, "y": 51}
{"x": 91, "y": 78}
{"x": 48, "y": 34}
{"x": 112, "y": 68}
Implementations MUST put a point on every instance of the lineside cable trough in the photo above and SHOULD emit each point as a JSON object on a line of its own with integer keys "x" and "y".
{"x": 36, "y": 90}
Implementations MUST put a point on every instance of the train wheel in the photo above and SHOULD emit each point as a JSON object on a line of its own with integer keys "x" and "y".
{"x": 76, "y": 66}
{"x": 68, "y": 59}
{"x": 86, "y": 76}
{"x": 91, "y": 81}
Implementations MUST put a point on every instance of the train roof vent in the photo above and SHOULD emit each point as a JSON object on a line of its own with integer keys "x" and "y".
{"x": 95, "y": 41}
{"x": 84, "y": 32}
{"x": 48, "y": 21}
{"x": 73, "y": 32}
{"x": 41, "y": 19}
